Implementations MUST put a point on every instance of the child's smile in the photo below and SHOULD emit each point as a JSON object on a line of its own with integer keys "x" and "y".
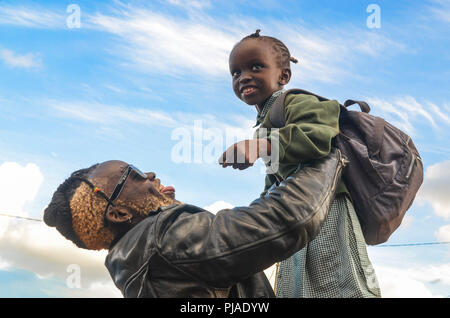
{"x": 256, "y": 74}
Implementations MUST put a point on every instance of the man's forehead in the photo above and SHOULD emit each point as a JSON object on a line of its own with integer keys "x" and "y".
{"x": 108, "y": 168}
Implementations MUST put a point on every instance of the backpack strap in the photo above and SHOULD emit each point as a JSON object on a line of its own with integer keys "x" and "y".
{"x": 378, "y": 136}
{"x": 277, "y": 115}
{"x": 363, "y": 105}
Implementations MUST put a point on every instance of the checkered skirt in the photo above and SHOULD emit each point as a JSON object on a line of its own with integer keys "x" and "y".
{"x": 334, "y": 265}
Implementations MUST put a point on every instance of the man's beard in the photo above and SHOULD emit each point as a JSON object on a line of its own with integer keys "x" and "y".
{"x": 148, "y": 204}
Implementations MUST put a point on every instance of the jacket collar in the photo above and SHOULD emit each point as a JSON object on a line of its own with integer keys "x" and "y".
{"x": 267, "y": 105}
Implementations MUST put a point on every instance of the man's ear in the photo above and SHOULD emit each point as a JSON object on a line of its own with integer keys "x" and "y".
{"x": 285, "y": 76}
{"x": 118, "y": 215}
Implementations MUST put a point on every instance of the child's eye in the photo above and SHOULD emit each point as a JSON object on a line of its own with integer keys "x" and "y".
{"x": 235, "y": 73}
{"x": 256, "y": 67}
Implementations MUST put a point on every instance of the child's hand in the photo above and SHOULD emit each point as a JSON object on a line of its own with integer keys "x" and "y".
{"x": 243, "y": 154}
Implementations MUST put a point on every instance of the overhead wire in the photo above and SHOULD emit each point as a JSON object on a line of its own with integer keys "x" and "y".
{"x": 380, "y": 245}
{"x": 411, "y": 244}
{"x": 20, "y": 217}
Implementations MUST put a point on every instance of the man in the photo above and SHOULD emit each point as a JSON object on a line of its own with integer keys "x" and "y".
{"x": 159, "y": 247}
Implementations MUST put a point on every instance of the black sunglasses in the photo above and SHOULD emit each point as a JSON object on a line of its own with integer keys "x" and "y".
{"x": 119, "y": 186}
{"x": 121, "y": 183}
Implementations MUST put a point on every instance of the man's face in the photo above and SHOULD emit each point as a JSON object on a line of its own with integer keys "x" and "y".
{"x": 255, "y": 72}
{"x": 135, "y": 189}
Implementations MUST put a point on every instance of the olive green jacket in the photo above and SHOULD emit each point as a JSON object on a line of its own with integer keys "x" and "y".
{"x": 310, "y": 127}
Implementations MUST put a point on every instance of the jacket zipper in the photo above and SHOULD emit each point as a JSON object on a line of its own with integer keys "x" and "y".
{"x": 411, "y": 165}
{"x": 277, "y": 268}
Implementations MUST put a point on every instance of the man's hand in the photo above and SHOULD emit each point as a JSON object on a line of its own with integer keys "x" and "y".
{"x": 243, "y": 154}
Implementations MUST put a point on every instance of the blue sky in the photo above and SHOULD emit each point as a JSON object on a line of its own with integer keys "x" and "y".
{"x": 135, "y": 74}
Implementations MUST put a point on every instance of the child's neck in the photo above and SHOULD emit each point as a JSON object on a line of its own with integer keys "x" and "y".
{"x": 259, "y": 108}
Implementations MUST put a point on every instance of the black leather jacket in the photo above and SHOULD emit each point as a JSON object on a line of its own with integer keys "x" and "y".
{"x": 185, "y": 251}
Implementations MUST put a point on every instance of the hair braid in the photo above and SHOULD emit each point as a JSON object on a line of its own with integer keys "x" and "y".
{"x": 283, "y": 55}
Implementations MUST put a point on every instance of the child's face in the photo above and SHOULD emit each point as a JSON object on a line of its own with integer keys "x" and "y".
{"x": 255, "y": 72}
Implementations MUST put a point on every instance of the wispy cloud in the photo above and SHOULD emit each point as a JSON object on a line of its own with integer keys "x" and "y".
{"x": 405, "y": 112}
{"x": 191, "y": 4}
{"x": 198, "y": 44}
{"x": 110, "y": 115}
{"x": 442, "y": 113}
{"x": 329, "y": 54}
{"x": 155, "y": 42}
{"x": 441, "y": 10}
{"x": 33, "y": 17}
{"x": 12, "y": 59}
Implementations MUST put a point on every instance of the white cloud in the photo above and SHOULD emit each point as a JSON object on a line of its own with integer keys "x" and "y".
{"x": 155, "y": 42}
{"x": 32, "y": 246}
{"x": 200, "y": 45}
{"x": 42, "y": 250}
{"x": 217, "y": 206}
{"x": 440, "y": 113}
{"x": 18, "y": 185}
{"x": 406, "y": 112}
{"x": 406, "y": 282}
{"x": 12, "y": 59}
{"x": 436, "y": 188}
{"x": 410, "y": 105}
{"x": 401, "y": 274}
{"x": 443, "y": 233}
{"x": 396, "y": 117}
{"x": 33, "y": 17}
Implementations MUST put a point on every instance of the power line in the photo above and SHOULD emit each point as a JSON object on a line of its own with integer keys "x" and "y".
{"x": 381, "y": 245}
{"x": 411, "y": 244}
{"x": 20, "y": 217}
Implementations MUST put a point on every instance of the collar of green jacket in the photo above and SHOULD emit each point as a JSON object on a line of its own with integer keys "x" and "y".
{"x": 267, "y": 105}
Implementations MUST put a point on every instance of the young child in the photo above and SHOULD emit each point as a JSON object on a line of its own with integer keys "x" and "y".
{"x": 335, "y": 263}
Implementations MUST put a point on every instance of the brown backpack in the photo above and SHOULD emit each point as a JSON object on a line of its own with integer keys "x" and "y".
{"x": 385, "y": 169}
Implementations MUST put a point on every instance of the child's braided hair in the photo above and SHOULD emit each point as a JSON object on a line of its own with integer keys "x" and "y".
{"x": 284, "y": 56}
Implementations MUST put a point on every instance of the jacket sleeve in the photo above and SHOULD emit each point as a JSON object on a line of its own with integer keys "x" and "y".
{"x": 310, "y": 127}
{"x": 220, "y": 250}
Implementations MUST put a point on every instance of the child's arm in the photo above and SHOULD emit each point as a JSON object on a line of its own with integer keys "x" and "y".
{"x": 310, "y": 127}
{"x": 243, "y": 154}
